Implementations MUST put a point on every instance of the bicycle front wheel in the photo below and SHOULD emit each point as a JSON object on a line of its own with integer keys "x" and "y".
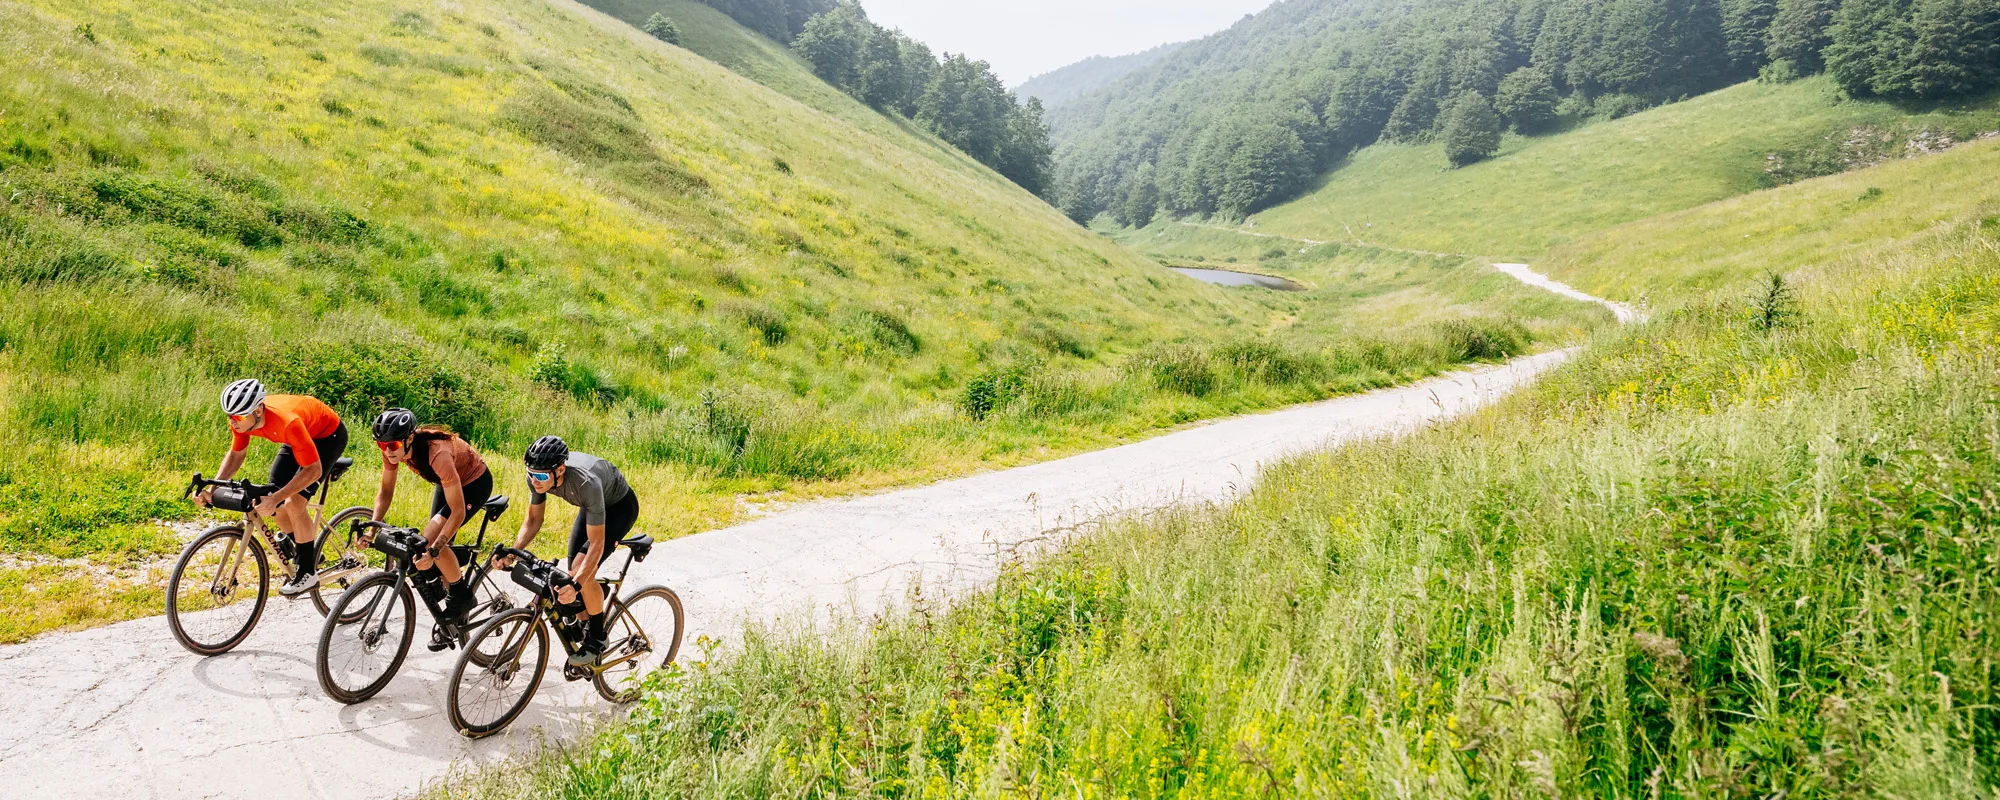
{"x": 642, "y": 634}
{"x": 343, "y": 561}
{"x": 217, "y": 590}
{"x": 365, "y": 638}
{"x": 484, "y": 700}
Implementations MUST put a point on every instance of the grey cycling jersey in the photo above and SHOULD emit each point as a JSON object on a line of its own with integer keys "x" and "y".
{"x": 590, "y": 484}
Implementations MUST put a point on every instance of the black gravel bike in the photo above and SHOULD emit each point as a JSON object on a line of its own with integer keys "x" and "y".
{"x": 367, "y": 636}
{"x": 222, "y": 579}
{"x": 500, "y": 670}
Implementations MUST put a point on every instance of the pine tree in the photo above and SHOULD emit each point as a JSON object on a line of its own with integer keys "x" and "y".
{"x": 1527, "y": 99}
{"x": 1471, "y": 130}
{"x": 1868, "y": 38}
{"x": 1799, "y": 35}
{"x": 660, "y": 27}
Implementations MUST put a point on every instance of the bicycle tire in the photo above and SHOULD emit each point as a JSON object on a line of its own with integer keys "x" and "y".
{"x": 204, "y": 646}
{"x": 620, "y": 684}
{"x": 333, "y": 528}
{"x": 505, "y": 625}
{"x": 343, "y": 622}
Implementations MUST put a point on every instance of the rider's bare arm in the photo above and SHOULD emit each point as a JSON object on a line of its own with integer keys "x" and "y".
{"x": 230, "y": 464}
{"x": 385, "y": 494}
{"x": 454, "y": 495}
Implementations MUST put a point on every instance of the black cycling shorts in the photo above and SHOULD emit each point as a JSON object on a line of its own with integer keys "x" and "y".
{"x": 618, "y": 520}
{"x": 476, "y": 494}
{"x": 286, "y": 466}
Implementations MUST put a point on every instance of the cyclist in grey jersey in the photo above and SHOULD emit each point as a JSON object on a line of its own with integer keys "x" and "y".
{"x": 606, "y": 511}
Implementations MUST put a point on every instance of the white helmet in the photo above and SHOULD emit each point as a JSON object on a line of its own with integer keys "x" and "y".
{"x": 242, "y": 397}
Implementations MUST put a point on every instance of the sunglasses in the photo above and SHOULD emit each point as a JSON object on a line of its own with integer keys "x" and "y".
{"x": 389, "y": 447}
{"x": 540, "y": 477}
{"x": 240, "y": 417}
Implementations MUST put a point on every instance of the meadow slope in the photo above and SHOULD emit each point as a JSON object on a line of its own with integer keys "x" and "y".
{"x": 1744, "y": 549}
{"x": 524, "y": 217}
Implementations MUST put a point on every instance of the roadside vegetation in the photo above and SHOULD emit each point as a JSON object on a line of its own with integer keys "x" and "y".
{"x": 520, "y": 219}
{"x": 1744, "y": 549}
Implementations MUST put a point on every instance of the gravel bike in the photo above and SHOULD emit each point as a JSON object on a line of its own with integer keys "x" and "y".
{"x": 499, "y": 672}
{"x": 365, "y": 639}
{"x": 222, "y": 579}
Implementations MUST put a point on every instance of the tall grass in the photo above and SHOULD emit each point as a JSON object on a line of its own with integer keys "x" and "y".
{"x": 1711, "y": 558}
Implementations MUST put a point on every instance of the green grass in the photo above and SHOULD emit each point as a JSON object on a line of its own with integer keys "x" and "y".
{"x": 1544, "y": 191}
{"x": 523, "y": 218}
{"x": 1708, "y": 558}
{"x": 1817, "y": 222}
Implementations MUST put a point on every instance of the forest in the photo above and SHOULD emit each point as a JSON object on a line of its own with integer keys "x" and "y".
{"x": 1249, "y": 117}
{"x": 954, "y": 97}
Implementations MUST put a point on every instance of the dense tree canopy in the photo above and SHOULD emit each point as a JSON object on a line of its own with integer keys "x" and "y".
{"x": 781, "y": 20}
{"x": 1247, "y": 118}
{"x": 957, "y": 98}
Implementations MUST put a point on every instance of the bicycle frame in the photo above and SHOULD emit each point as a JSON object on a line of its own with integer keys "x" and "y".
{"x": 403, "y": 565}
{"x": 545, "y": 601}
{"x": 255, "y": 527}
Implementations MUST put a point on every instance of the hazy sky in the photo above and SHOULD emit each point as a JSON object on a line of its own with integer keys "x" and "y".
{"x": 1025, "y": 38}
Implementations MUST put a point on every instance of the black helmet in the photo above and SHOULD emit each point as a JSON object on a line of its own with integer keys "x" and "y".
{"x": 547, "y": 453}
{"x": 395, "y": 425}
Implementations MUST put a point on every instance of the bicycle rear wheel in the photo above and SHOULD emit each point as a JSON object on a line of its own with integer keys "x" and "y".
{"x": 342, "y": 556}
{"x": 484, "y": 700}
{"x": 642, "y": 634}
{"x": 217, "y": 591}
{"x": 365, "y": 638}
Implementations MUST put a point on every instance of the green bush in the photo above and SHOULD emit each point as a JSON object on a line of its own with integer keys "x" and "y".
{"x": 1269, "y": 363}
{"x": 995, "y": 389}
{"x": 1186, "y": 369}
{"x": 1480, "y": 339}
{"x": 768, "y": 322}
{"x": 1057, "y": 340}
{"x": 888, "y": 330}
{"x": 553, "y": 370}
{"x": 660, "y": 27}
{"x": 360, "y": 378}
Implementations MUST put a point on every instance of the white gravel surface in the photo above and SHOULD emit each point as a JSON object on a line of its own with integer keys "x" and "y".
{"x": 1626, "y": 314}
{"x": 122, "y": 711}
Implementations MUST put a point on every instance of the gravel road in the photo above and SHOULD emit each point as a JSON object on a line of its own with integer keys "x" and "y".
{"x": 122, "y": 711}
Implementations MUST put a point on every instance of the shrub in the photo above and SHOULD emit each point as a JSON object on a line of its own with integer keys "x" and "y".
{"x": 769, "y": 323}
{"x": 1056, "y": 340}
{"x": 1774, "y": 305}
{"x": 660, "y": 27}
{"x": 1268, "y": 363}
{"x": 1178, "y": 368}
{"x": 995, "y": 389}
{"x": 1482, "y": 339}
{"x": 553, "y": 370}
{"x": 887, "y": 329}
{"x": 1527, "y": 98}
{"x": 360, "y": 378}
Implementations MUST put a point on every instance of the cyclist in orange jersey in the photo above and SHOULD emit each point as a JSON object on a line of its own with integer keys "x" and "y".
{"x": 309, "y": 437}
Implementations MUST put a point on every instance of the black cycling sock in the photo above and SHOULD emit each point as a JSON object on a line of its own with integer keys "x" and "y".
{"x": 596, "y": 628}
{"x": 308, "y": 557}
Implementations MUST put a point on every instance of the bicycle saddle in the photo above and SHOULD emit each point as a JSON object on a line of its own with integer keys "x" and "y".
{"x": 340, "y": 466}
{"x": 495, "y": 507}
{"x": 641, "y": 546}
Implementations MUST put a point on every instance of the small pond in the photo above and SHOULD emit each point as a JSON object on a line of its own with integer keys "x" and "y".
{"x": 1225, "y": 277}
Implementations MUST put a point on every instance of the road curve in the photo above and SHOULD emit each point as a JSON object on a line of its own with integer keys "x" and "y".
{"x": 122, "y": 711}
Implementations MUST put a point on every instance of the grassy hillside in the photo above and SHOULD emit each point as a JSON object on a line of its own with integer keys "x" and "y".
{"x": 1856, "y": 215}
{"x": 1707, "y": 559}
{"x": 521, "y": 218}
{"x": 1543, "y": 191}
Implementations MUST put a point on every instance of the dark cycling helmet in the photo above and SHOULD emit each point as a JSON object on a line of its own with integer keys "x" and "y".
{"x": 547, "y": 453}
{"x": 242, "y": 397}
{"x": 395, "y": 425}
